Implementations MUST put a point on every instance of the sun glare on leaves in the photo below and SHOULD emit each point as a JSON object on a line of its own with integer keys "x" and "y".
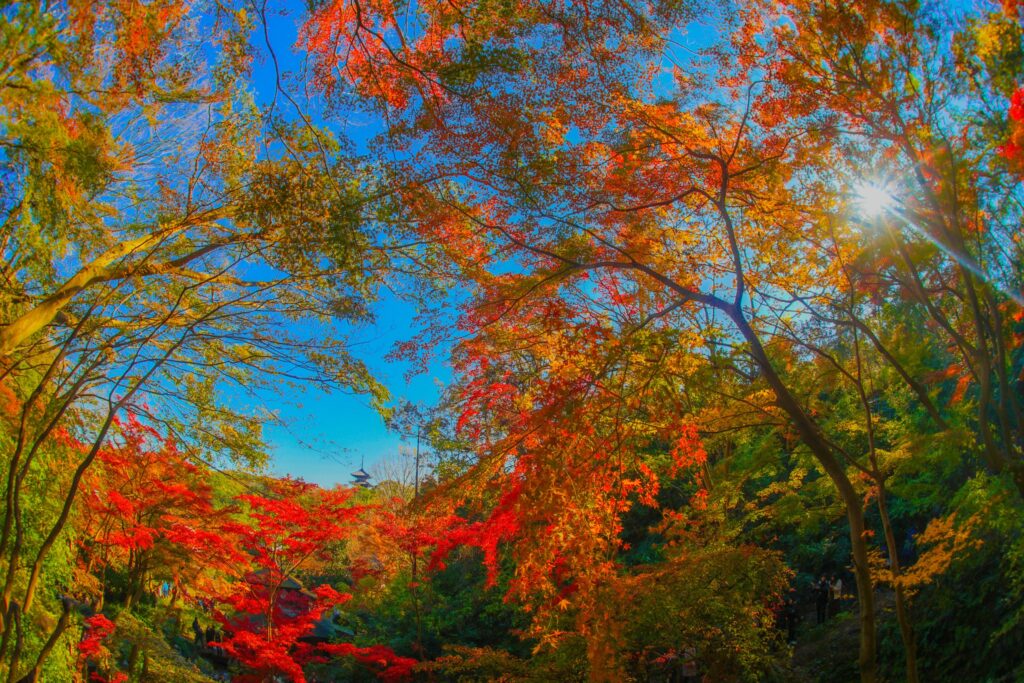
{"x": 873, "y": 200}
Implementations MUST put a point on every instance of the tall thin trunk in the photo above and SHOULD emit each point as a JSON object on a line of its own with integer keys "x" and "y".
{"x": 823, "y": 452}
{"x": 902, "y": 602}
{"x": 19, "y": 641}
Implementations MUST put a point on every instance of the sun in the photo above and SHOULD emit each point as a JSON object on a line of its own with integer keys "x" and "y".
{"x": 873, "y": 200}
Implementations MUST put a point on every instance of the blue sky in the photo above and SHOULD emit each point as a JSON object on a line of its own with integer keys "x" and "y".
{"x": 329, "y": 435}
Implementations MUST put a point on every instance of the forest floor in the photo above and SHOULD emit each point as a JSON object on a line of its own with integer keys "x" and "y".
{"x": 828, "y": 653}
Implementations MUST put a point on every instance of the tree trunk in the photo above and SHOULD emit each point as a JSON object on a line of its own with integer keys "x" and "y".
{"x": 902, "y": 604}
{"x": 819, "y": 447}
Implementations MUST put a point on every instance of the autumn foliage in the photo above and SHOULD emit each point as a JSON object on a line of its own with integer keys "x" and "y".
{"x": 728, "y": 300}
{"x": 150, "y": 515}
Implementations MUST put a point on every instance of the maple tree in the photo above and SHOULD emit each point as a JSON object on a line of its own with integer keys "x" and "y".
{"x": 148, "y": 513}
{"x": 268, "y": 610}
{"x": 293, "y": 527}
{"x": 590, "y": 205}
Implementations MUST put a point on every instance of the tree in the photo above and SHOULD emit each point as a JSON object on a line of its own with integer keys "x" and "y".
{"x": 270, "y": 612}
{"x": 148, "y": 514}
{"x": 920, "y": 119}
{"x": 161, "y": 235}
{"x": 596, "y": 207}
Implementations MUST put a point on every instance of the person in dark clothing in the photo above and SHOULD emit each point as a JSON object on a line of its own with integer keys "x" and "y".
{"x": 199, "y": 634}
{"x": 821, "y": 590}
{"x": 689, "y": 669}
{"x": 790, "y": 615}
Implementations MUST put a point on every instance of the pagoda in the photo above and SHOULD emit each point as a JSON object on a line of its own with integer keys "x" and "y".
{"x": 361, "y": 478}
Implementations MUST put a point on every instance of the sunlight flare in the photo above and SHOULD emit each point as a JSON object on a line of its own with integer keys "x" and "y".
{"x": 873, "y": 200}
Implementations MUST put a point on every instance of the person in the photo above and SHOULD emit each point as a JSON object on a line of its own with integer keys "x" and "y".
{"x": 835, "y": 594}
{"x": 689, "y": 668}
{"x": 200, "y": 636}
{"x": 790, "y": 615}
{"x": 821, "y": 589}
